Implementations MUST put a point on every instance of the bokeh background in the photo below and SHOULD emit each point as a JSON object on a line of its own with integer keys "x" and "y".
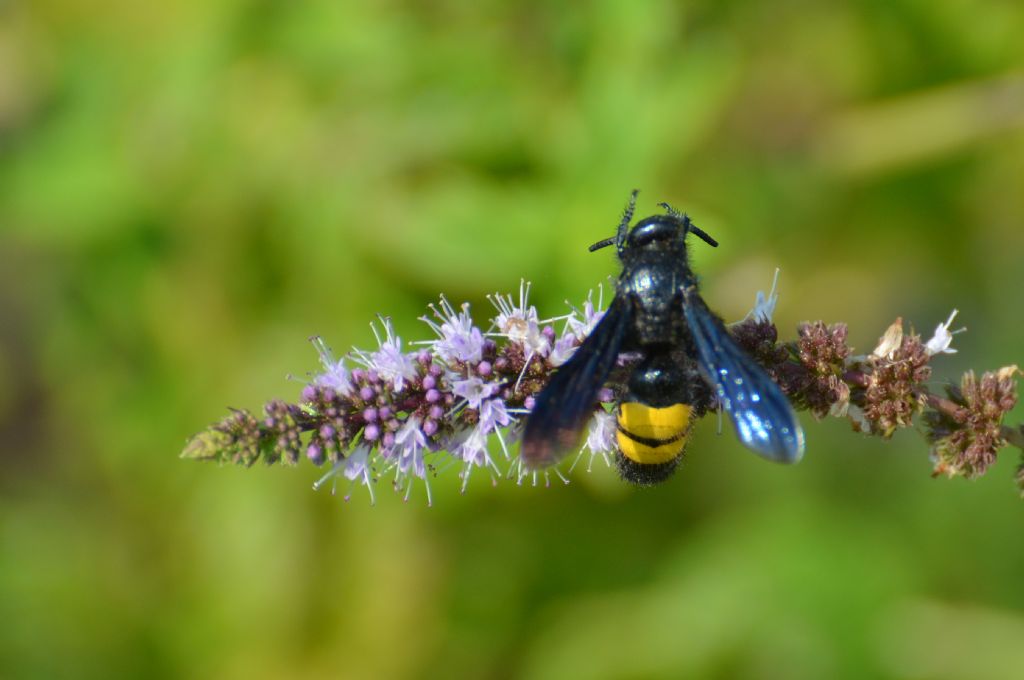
{"x": 189, "y": 190}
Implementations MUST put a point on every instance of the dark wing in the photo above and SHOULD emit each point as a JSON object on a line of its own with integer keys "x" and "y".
{"x": 566, "y": 403}
{"x": 764, "y": 420}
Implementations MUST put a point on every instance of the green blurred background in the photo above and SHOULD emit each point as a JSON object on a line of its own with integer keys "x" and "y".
{"x": 189, "y": 190}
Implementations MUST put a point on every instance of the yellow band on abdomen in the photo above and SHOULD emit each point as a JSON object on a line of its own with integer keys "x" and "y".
{"x": 654, "y": 423}
{"x": 649, "y": 455}
{"x": 663, "y": 431}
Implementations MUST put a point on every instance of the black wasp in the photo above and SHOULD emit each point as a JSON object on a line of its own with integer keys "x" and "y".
{"x": 688, "y": 363}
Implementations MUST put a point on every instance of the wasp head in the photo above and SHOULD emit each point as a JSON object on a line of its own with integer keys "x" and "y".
{"x": 658, "y": 231}
{"x": 655, "y": 232}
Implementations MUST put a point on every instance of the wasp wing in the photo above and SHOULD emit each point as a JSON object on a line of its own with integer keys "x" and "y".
{"x": 763, "y": 418}
{"x": 566, "y": 403}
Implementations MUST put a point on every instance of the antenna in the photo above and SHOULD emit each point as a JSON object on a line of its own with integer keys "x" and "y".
{"x": 689, "y": 225}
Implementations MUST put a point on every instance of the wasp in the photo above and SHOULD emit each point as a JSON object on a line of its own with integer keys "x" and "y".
{"x": 688, "y": 364}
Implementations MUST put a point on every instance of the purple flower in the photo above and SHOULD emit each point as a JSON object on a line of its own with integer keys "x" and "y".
{"x": 407, "y": 455}
{"x": 354, "y": 467}
{"x": 564, "y": 348}
{"x": 410, "y": 462}
{"x": 473, "y": 452}
{"x": 473, "y": 390}
{"x": 601, "y": 433}
{"x": 519, "y": 323}
{"x": 335, "y": 375}
{"x": 493, "y": 413}
{"x": 409, "y": 441}
{"x": 357, "y": 467}
{"x": 600, "y": 438}
{"x": 582, "y": 328}
{"x": 458, "y": 339}
{"x": 389, "y": 362}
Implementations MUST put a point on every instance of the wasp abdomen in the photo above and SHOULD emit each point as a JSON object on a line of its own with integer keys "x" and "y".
{"x": 649, "y": 435}
{"x": 654, "y": 418}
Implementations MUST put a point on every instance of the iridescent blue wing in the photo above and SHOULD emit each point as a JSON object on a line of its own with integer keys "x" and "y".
{"x": 567, "y": 402}
{"x": 763, "y": 417}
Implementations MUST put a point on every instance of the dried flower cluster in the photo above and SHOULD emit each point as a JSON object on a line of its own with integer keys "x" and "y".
{"x": 405, "y": 414}
{"x": 887, "y": 389}
{"x": 966, "y": 431}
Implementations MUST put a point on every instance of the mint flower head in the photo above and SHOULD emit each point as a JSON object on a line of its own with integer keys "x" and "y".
{"x": 398, "y": 415}
{"x": 401, "y": 413}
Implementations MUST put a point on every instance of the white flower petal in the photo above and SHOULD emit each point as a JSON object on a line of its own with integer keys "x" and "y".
{"x": 942, "y": 339}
